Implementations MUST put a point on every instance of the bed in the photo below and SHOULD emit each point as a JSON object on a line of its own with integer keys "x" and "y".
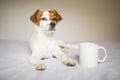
{"x": 14, "y": 64}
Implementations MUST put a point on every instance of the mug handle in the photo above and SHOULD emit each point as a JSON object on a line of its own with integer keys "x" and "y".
{"x": 105, "y": 52}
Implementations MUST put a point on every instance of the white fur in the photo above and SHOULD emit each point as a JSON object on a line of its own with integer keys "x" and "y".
{"x": 45, "y": 24}
{"x": 44, "y": 45}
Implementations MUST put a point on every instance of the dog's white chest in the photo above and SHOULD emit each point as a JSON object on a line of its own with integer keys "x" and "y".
{"x": 42, "y": 44}
{"x": 46, "y": 45}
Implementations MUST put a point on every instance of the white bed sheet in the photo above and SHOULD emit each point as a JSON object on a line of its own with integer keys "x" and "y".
{"x": 14, "y": 64}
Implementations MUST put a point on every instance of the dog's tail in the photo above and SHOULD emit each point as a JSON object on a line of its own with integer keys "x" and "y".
{"x": 65, "y": 45}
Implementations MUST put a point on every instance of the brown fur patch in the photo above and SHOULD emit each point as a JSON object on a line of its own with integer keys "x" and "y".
{"x": 36, "y": 17}
{"x": 55, "y": 16}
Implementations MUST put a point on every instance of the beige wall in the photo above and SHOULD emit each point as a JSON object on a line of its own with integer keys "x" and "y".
{"x": 83, "y": 20}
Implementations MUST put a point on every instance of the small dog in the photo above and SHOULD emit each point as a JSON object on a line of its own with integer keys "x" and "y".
{"x": 43, "y": 44}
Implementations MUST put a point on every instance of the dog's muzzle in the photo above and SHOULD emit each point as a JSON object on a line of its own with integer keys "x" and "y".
{"x": 52, "y": 26}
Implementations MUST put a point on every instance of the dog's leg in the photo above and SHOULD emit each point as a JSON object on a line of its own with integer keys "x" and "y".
{"x": 64, "y": 49}
{"x": 34, "y": 59}
{"x": 67, "y": 46}
{"x": 63, "y": 58}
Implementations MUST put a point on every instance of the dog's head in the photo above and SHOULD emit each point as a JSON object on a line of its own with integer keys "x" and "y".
{"x": 46, "y": 20}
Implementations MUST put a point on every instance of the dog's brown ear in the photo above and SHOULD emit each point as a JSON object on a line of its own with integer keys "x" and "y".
{"x": 55, "y": 13}
{"x": 36, "y": 17}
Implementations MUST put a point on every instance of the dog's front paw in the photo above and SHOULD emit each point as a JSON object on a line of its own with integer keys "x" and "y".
{"x": 40, "y": 67}
{"x": 69, "y": 62}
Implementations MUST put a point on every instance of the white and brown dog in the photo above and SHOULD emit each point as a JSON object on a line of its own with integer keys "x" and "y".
{"x": 43, "y": 44}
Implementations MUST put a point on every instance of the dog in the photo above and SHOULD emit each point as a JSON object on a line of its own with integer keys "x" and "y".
{"x": 43, "y": 44}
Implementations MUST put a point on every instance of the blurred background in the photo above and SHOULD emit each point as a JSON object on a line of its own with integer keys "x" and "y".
{"x": 83, "y": 20}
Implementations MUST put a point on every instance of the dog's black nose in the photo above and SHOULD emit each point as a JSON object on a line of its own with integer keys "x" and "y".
{"x": 52, "y": 24}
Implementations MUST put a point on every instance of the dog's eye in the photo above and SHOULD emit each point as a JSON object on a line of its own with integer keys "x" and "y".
{"x": 44, "y": 19}
{"x": 54, "y": 19}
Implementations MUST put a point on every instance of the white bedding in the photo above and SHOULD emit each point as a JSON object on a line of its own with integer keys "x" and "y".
{"x": 14, "y": 64}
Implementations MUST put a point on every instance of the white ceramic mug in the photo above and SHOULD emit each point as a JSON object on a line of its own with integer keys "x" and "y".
{"x": 89, "y": 54}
